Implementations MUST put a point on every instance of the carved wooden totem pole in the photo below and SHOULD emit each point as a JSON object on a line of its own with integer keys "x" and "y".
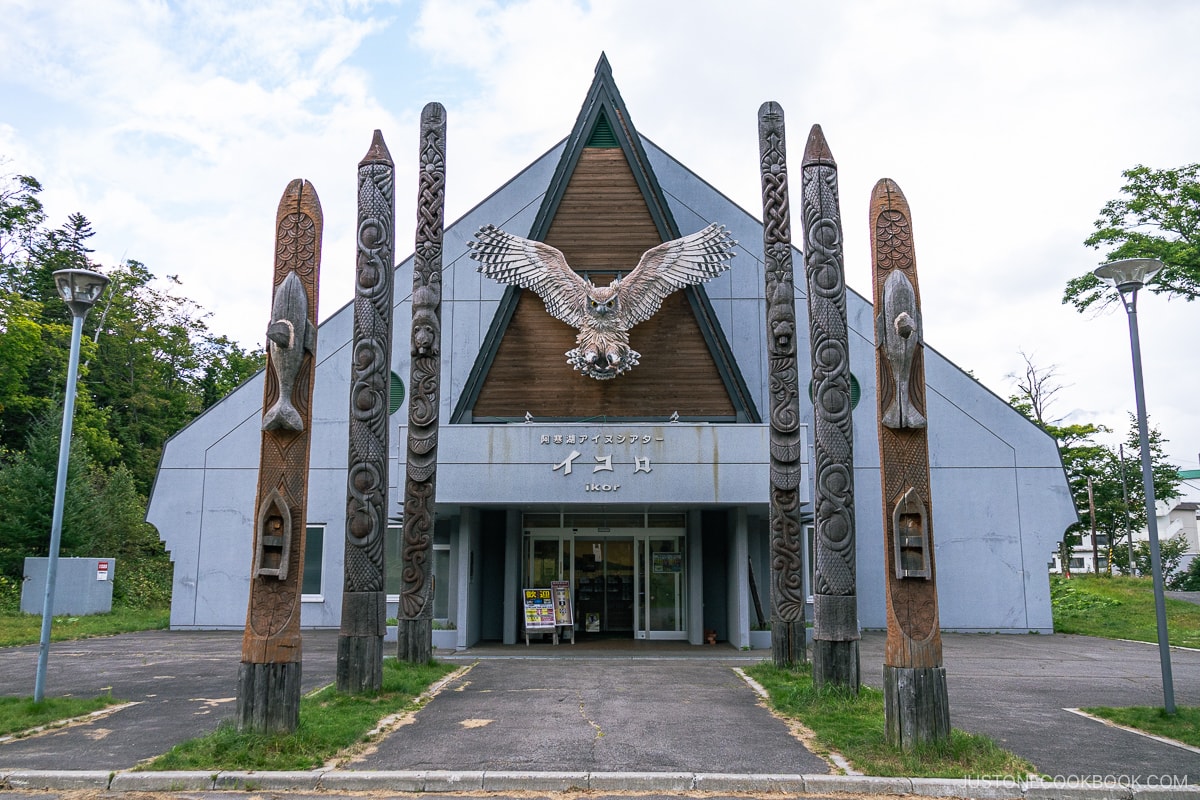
{"x": 364, "y": 598}
{"x": 835, "y": 595}
{"x": 915, "y": 702}
{"x": 787, "y": 441}
{"x": 416, "y": 594}
{"x": 268, "y": 692}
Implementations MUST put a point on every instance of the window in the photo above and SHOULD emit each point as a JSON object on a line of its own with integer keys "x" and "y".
{"x": 1077, "y": 563}
{"x": 441, "y": 581}
{"x": 1102, "y": 540}
{"x": 393, "y": 544}
{"x": 393, "y": 564}
{"x": 811, "y": 558}
{"x": 312, "y": 583}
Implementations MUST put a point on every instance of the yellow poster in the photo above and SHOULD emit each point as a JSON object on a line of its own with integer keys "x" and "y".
{"x": 539, "y": 609}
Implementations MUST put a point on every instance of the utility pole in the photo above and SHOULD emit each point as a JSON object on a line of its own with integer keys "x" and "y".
{"x": 1092, "y": 514}
{"x": 1125, "y": 506}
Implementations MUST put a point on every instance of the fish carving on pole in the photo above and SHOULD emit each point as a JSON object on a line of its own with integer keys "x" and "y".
{"x": 268, "y": 690}
{"x": 916, "y": 707}
{"x": 603, "y": 314}
{"x": 289, "y": 336}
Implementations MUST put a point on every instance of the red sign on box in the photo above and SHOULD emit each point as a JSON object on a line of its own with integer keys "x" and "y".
{"x": 102, "y": 570}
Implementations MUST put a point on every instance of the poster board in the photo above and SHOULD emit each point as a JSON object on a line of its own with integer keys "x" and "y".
{"x": 539, "y": 610}
{"x": 548, "y": 610}
{"x": 564, "y": 614}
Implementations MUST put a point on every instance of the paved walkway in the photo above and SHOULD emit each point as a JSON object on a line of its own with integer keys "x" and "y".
{"x": 615, "y": 709}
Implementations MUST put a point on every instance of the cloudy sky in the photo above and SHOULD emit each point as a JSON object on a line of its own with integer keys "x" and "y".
{"x": 175, "y": 126}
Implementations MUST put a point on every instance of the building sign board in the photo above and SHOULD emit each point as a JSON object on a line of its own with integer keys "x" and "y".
{"x": 623, "y": 463}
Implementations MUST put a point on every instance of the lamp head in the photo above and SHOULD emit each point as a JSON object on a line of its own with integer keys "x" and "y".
{"x": 79, "y": 289}
{"x": 1129, "y": 274}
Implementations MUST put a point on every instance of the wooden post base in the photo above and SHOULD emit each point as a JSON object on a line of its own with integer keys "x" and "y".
{"x": 359, "y": 664}
{"x": 268, "y": 697}
{"x": 835, "y": 664}
{"x": 414, "y": 640}
{"x": 788, "y": 643}
{"x": 916, "y": 707}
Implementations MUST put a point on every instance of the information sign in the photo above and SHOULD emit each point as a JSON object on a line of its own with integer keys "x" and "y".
{"x": 668, "y": 562}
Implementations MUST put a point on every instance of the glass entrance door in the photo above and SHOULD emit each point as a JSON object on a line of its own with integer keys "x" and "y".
{"x": 662, "y": 588}
{"x": 625, "y": 581}
{"x": 604, "y": 584}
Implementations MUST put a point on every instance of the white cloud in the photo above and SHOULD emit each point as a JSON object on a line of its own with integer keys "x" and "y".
{"x": 176, "y": 126}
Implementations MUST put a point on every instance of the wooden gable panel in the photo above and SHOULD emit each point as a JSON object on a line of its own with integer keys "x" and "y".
{"x": 603, "y": 225}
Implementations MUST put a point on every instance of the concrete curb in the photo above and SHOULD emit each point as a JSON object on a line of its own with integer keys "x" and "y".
{"x": 449, "y": 781}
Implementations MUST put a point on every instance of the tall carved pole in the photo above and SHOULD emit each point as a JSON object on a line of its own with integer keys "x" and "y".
{"x": 364, "y": 598}
{"x": 835, "y": 595}
{"x": 787, "y": 443}
{"x": 416, "y": 596}
{"x": 915, "y": 702}
{"x": 268, "y": 692}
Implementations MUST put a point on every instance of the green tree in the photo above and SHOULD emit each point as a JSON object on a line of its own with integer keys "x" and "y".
{"x": 1189, "y": 579}
{"x": 119, "y": 530}
{"x": 21, "y": 217}
{"x": 1087, "y": 461}
{"x": 1170, "y": 553}
{"x": 226, "y": 366}
{"x": 148, "y": 364}
{"x": 1158, "y": 216}
{"x": 27, "y": 481}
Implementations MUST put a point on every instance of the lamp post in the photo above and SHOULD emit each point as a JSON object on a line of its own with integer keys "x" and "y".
{"x": 1128, "y": 276}
{"x": 80, "y": 289}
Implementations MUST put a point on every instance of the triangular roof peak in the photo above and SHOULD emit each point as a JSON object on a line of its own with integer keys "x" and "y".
{"x": 603, "y": 106}
{"x": 604, "y": 122}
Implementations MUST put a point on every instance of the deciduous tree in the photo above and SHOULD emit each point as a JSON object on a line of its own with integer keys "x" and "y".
{"x": 1157, "y": 216}
{"x": 1085, "y": 459}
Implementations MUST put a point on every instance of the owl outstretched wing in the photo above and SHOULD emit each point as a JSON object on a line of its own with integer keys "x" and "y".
{"x": 532, "y": 265}
{"x": 671, "y": 266}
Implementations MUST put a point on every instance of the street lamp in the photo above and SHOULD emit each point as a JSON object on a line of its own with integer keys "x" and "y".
{"x": 80, "y": 289}
{"x": 1128, "y": 276}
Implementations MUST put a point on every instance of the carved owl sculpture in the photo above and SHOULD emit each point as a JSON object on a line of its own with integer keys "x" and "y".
{"x": 603, "y": 314}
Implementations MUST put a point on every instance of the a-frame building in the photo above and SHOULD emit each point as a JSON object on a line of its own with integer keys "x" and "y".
{"x": 647, "y": 493}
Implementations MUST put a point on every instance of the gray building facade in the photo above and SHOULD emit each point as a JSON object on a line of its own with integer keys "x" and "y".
{"x": 657, "y": 521}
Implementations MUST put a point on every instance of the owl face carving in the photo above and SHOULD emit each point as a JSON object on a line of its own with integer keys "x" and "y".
{"x": 602, "y": 301}
{"x": 602, "y": 314}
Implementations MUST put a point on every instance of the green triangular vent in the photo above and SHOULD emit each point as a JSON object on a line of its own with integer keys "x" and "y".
{"x": 395, "y": 395}
{"x": 602, "y": 134}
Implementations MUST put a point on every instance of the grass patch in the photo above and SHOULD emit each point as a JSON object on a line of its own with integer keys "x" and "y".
{"x": 1119, "y": 608}
{"x": 854, "y": 726}
{"x": 329, "y": 723}
{"x": 1183, "y": 726}
{"x": 19, "y": 714}
{"x": 18, "y": 629}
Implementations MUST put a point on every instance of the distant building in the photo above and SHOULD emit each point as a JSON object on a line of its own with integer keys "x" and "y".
{"x": 1175, "y": 516}
{"x": 648, "y": 492}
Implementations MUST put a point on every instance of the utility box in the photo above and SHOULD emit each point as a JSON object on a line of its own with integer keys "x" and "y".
{"x": 82, "y": 586}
